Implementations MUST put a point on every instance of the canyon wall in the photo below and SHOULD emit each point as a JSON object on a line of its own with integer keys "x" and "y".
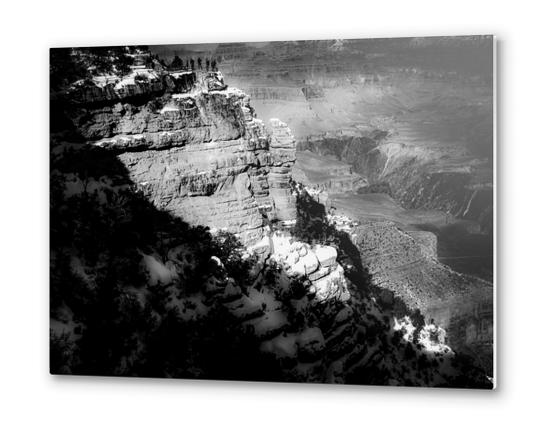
{"x": 427, "y": 176}
{"x": 195, "y": 148}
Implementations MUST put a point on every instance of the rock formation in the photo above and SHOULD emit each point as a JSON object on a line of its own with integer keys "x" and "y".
{"x": 196, "y": 149}
{"x": 318, "y": 264}
{"x": 283, "y": 156}
{"x": 406, "y": 264}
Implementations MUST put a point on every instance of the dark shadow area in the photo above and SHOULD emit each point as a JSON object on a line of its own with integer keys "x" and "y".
{"x": 109, "y": 316}
{"x": 111, "y": 312}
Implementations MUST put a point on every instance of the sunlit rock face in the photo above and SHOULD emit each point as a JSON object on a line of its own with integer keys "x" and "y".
{"x": 198, "y": 152}
{"x": 283, "y": 156}
{"x": 139, "y": 82}
{"x": 207, "y": 180}
{"x": 318, "y": 264}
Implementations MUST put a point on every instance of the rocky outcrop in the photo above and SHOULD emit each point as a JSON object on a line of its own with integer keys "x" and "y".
{"x": 406, "y": 265}
{"x": 318, "y": 264}
{"x": 283, "y": 156}
{"x": 199, "y": 153}
{"x": 139, "y": 82}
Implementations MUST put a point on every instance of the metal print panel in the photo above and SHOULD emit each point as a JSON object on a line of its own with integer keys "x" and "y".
{"x": 305, "y": 211}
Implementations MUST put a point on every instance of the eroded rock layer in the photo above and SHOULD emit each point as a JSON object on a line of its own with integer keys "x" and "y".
{"x": 198, "y": 152}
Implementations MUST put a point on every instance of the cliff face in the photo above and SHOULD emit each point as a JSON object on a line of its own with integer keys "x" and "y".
{"x": 139, "y": 82}
{"x": 198, "y": 152}
{"x": 283, "y": 157}
{"x": 318, "y": 264}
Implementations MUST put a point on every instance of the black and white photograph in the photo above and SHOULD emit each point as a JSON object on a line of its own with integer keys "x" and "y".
{"x": 287, "y": 211}
{"x": 319, "y": 212}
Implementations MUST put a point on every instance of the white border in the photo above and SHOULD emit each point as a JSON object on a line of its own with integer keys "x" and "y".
{"x": 29, "y": 394}
{"x": 495, "y": 215}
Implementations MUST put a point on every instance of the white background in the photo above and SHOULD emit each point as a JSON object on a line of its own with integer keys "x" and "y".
{"x": 30, "y": 394}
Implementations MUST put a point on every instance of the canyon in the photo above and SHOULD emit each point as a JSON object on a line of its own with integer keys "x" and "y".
{"x": 398, "y": 137}
{"x": 416, "y": 118}
{"x": 321, "y": 305}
